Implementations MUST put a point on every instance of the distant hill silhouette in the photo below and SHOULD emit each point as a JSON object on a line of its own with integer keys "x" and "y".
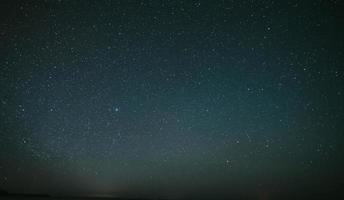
{"x": 6, "y": 193}
{"x": 25, "y": 195}
{"x": 3, "y": 192}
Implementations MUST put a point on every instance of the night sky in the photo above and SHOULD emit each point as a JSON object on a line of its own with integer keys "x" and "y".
{"x": 172, "y": 99}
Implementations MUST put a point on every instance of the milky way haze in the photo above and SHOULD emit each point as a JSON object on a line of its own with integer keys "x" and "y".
{"x": 172, "y": 99}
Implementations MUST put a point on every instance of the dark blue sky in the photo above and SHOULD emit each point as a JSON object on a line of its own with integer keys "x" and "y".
{"x": 172, "y": 99}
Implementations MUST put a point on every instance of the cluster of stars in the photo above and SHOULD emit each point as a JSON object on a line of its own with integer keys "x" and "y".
{"x": 169, "y": 95}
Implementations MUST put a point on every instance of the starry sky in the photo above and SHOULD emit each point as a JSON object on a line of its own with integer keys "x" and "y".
{"x": 172, "y": 99}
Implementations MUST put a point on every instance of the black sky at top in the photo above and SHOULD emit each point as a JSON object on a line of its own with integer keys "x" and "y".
{"x": 172, "y": 99}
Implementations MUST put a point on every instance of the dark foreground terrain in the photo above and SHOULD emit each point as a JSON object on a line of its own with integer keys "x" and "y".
{"x": 6, "y": 196}
{"x": 33, "y": 197}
